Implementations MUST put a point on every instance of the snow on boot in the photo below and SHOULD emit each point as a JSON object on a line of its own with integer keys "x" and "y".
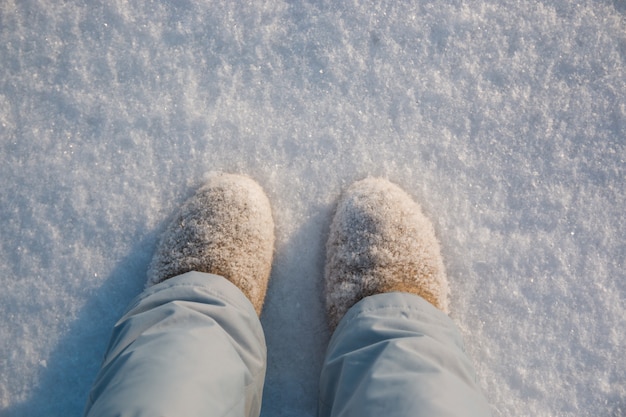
{"x": 381, "y": 242}
{"x": 226, "y": 229}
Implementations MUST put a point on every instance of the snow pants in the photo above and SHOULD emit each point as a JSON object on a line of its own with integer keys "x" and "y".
{"x": 193, "y": 346}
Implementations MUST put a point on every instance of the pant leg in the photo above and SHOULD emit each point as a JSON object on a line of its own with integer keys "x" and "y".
{"x": 189, "y": 346}
{"x": 395, "y": 354}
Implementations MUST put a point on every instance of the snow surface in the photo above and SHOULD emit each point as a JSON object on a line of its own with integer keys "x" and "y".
{"x": 505, "y": 119}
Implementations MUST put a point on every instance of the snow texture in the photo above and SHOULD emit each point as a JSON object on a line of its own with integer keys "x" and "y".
{"x": 504, "y": 119}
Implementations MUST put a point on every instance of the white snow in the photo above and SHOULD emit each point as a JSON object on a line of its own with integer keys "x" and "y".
{"x": 505, "y": 119}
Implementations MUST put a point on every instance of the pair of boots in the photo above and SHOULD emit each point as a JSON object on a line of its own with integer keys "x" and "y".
{"x": 379, "y": 242}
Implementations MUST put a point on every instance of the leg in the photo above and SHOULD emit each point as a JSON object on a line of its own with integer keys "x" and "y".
{"x": 395, "y": 352}
{"x": 191, "y": 344}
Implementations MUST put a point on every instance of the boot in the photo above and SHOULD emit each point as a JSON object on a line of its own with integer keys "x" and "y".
{"x": 381, "y": 242}
{"x": 226, "y": 229}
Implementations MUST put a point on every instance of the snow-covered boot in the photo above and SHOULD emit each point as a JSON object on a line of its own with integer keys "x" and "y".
{"x": 381, "y": 242}
{"x": 226, "y": 229}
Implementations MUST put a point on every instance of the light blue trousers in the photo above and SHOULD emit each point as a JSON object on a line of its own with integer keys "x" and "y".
{"x": 193, "y": 346}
